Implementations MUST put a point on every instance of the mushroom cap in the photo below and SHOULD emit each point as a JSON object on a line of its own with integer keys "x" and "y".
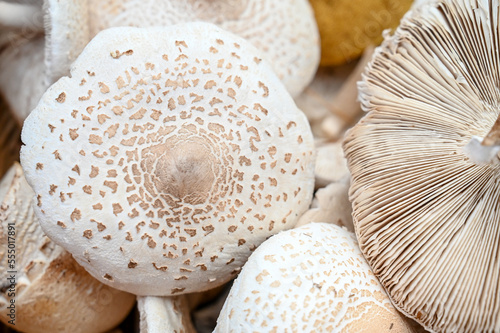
{"x": 167, "y": 160}
{"x": 426, "y": 212}
{"x": 330, "y": 205}
{"x": 346, "y": 27}
{"x": 284, "y": 31}
{"x": 309, "y": 279}
{"x": 52, "y": 292}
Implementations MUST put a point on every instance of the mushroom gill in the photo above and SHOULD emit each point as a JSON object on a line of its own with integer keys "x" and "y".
{"x": 425, "y": 204}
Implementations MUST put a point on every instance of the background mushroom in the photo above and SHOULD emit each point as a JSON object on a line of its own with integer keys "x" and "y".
{"x": 284, "y": 31}
{"x": 313, "y": 278}
{"x": 52, "y": 293}
{"x": 425, "y": 207}
{"x": 348, "y": 26}
{"x": 31, "y": 60}
{"x": 169, "y": 153}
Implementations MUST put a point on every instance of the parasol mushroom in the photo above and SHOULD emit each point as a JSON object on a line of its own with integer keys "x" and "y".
{"x": 425, "y": 193}
{"x": 309, "y": 279}
{"x": 31, "y": 62}
{"x": 43, "y": 289}
{"x": 284, "y": 31}
{"x": 157, "y": 164}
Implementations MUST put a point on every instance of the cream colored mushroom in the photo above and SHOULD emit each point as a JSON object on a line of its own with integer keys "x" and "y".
{"x": 31, "y": 62}
{"x": 15, "y": 16}
{"x": 167, "y": 160}
{"x": 331, "y": 100}
{"x": 43, "y": 289}
{"x": 310, "y": 279}
{"x": 330, "y": 205}
{"x": 164, "y": 314}
{"x": 425, "y": 192}
{"x": 284, "y": 31}
{"x": 331, "y": 165}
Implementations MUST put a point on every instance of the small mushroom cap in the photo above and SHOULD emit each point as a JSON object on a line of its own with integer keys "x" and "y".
{"x": 310, "y": 279}
{"x": 52, "y": 292}
{"x": 331, "y": 165}
{"x": 426, "y": 213}
{"x": 284, "y": 31}
{"x": 330, "y": 205}
{"x": 167, "y": 160}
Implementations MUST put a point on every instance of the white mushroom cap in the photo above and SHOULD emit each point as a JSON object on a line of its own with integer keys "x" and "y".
{"x": 331, "y": 165}
{"x": 330, "y": 205}
{"x": 167, "y": 160}
{"x": 52, "y": 292}
{"x": 284, "y": 31}
{"x": 310, "y": 279}
{"x": 426, "y": 210}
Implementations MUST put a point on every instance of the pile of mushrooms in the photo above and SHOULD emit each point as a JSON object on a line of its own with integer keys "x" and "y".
{"x": 172, "y": 147}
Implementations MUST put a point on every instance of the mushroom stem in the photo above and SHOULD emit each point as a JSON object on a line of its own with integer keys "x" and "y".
{"x": 164, "y": 314}
{"x": 493, "y": 137}
{"x": 346, "y": 105}
{"x": 20, "y": 16}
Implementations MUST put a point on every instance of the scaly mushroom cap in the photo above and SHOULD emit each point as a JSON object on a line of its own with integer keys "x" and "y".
{"x": 426, "y": 210}
{"x": 310, "y": 279}
{"x": 52, "y": 292}
{"x": 284, "y": 31}
{"x": 167, "y": 160}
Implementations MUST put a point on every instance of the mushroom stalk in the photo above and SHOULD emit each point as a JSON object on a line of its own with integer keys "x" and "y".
{"x": 20, "y": 16}
{"x": 487, "y": 149}
{"x": 493, "y": 137}
{"x": 164, "y": 314}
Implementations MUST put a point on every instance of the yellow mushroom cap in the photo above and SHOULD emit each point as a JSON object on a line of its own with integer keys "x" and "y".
{"x": 347, "y": 27}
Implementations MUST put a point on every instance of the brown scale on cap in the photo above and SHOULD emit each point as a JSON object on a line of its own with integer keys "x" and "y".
{"x": 171, "y": 148}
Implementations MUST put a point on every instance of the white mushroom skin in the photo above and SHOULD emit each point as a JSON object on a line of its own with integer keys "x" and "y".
{"x": 284, "y": 31}
{"x": 167, "y": 160}
{"x": 52, "y": 293}
{"x": 309, "y": 279}
{"x": 425, "y": 193}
